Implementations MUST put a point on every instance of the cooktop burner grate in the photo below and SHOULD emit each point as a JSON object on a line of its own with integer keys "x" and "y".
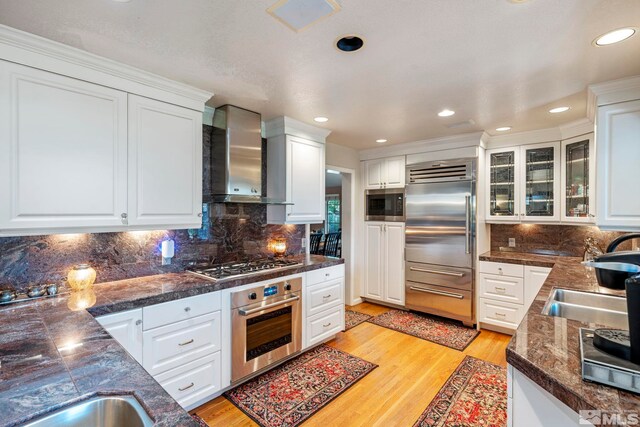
{"x": 238, "y": 269}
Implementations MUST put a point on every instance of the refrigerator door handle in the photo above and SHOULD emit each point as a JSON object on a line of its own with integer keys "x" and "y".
{"x": 446, "y": 273}
{"x": 433, "y": 291}
{"x": 467, "y": 225}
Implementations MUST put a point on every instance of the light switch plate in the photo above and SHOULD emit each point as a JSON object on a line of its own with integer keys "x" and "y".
{"x": 512, "y": 242}
{"x": 304, "y": 242}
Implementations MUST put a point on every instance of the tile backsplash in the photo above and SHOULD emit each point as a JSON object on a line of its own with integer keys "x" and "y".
{"x": 229, "y": 232}
{"x": 552, "y": 239}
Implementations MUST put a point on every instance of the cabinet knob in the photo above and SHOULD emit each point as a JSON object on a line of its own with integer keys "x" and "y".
{"x": 187, "y": 309}
{"x": 138, "y": 322}
{"x": 124, "y": 216}
{"x": 200, "y": 215}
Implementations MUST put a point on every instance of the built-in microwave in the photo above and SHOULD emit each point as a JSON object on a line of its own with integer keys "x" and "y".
{"x": 384, "y": 205}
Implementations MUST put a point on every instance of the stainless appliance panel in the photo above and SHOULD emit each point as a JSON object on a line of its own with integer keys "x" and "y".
{"x": 439, "y": 275}
{"x": 385, "y": 205}
{"x": 439, "y": 300}
{"x": 440, "y": 224}
{"x": 266, "y": 326}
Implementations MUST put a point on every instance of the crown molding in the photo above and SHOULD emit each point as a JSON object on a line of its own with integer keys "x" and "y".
{"x": 37, "y": 52}
{"x": 612, "y": 92}
{"x": 473, "y": 139}
{"x": 287, "y": 126}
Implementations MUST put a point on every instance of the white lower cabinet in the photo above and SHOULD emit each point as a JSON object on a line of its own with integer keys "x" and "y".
{"x": 529, "y": 405}
{"x": 384, "y": 262}
{"x": 505, "y": 293}
{"x": 173, "y": 345}
{"x": 323, "y": 311}
{"x": 194, "y": 381}
{"x": 126, "y": 328}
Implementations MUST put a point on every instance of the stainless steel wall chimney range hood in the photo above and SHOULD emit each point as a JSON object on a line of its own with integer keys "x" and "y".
{"x": 235, "y": 163}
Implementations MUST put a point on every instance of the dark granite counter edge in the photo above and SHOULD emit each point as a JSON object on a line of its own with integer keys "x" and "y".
{"x": 513, "y": 258}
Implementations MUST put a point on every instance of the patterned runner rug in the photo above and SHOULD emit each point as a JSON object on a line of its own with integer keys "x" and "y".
{"x": 291, "y": 393}
{"x": 474, "y": 395}
{"x": 431, "y": 328}
{"x": 354, "y": 318}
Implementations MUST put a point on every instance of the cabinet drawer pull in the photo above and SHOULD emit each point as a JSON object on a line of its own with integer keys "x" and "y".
{"x": 187, "y": 387}
{"x": 182, "y": 344}
{"x": 327, "y": 325}
{"x": 433, "y": 291}
{"x": 327, "y": 274}
{"x": 501, "y": 314}
{"x": 187, "y": 309}
{"x": 501, "y": 290}
{"x": 326, "y": 296}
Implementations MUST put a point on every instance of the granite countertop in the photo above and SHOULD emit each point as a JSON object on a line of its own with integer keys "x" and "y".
{"x": 547, "y": 349}
{"x": 52, "y": 356}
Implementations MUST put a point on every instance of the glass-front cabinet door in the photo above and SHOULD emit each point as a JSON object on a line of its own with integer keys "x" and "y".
{"x": 578, "y": 179}
{"x": 502, "y": 184}
{"x": 540, "y": 176}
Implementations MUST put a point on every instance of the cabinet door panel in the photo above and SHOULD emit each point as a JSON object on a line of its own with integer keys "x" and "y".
{"x": 394, "y": 172}
{"x": 126, "y": 328}
{"x": 305, "y": 178}
{"x": 165, "y": 164}
{"x": 63, "y": 151}
{"x": 502, "y": 185}
{"x": 617, "y": 164}
{"x": 394, "y": 261}
{"x": 540, "y": 182}
{"x": 578, "y": 179}
{"x": 534, "y": 278}
{"x": 373, "y": 280}
{"x": 373, "y": 171}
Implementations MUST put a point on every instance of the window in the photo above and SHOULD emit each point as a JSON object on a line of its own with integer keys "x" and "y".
{"x": 333, "y": 213}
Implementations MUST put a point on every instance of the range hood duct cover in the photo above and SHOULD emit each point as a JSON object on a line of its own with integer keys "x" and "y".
{"x": 235, "y": 163}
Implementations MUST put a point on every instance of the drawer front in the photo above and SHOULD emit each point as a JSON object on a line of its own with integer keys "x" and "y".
{"x": 182, "y": 309}
{"x": 174, "y": 345}
{"x": 502, "y": 288}
{"x": 501, "y": 269}
{"x": 321, "y": 297}
{"x": 436, "y": 275}
{"x": 194, "y": 381}
{"x": 500, "y": 313}
{"x": 439, "y": 300}
{"x": 325, "y": 274}
{"x": 325, "y": 324}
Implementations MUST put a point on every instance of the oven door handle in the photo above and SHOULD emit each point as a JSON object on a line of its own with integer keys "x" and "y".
{"x": 244, "y": 312}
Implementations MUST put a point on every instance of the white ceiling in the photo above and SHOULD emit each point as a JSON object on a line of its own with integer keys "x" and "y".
{"x": 491, "y": 61}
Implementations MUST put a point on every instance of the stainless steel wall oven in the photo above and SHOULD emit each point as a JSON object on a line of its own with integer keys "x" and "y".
{"x": 266, "y": 326}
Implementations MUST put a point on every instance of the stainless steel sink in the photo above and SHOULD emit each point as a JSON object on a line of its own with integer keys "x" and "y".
{"x": 104, "y": 411}
{"x": 601, "y": 309}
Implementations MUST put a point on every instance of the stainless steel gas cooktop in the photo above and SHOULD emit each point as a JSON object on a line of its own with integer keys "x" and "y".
{"x": 241, "y": 269}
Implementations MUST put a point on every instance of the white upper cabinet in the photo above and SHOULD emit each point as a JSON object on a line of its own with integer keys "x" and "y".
{"x": 165, "y": 164}
{"x": 295, "y": 171}
{"x": 618, "y": 148}
{"x": 578, "y": 181}
{"x": 385, "y": 173}
{"x": 63, "y": 151}
{"x": 523, "y": 183}
{"x": 89, "y": 145}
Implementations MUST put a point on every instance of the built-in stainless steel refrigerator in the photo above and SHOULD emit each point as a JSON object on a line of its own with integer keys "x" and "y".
{"x": 440, "y": 238}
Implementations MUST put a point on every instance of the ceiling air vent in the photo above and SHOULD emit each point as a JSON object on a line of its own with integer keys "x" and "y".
{"x": 449, "y": 170}
{"x": 300, "y": 14}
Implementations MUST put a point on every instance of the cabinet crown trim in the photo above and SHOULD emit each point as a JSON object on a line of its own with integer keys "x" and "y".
{"x": 288, "y": 126}
{"x": 38, "y": 52}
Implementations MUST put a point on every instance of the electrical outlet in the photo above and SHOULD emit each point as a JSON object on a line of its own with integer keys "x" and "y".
{"x": 512, "y": 242}
{"x": 304, "y": 242}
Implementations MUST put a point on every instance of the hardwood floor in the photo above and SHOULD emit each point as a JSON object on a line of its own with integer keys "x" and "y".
{"x": 410, "y": 373}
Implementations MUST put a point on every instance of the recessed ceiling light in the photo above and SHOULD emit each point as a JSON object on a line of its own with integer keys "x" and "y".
{"x": 446, "y": 113}
{"x": 559, "y": 110}
{"x": 321, "y": 119}
{"x": 381, "y": 141}
{"x": 503, "y": 128}
{"x": 349, "y": 43}
{"x": 614, "y": 36}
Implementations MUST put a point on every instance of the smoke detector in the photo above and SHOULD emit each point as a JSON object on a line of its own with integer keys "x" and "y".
{"x": 301, "y": 14}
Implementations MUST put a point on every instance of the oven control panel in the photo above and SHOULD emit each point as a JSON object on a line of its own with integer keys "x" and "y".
{"x": 270, "y": 291}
